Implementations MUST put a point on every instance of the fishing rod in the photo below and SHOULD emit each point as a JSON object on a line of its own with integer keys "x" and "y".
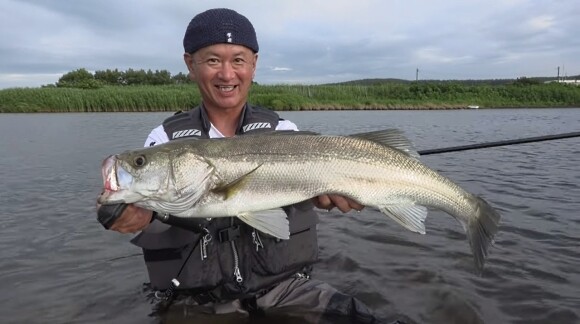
{"x": 499, "y": 143}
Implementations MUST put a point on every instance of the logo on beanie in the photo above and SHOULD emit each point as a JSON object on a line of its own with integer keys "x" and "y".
{"x": 229, "y": 36}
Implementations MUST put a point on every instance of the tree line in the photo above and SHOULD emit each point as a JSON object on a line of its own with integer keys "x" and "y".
{"x": 83, "y": 79}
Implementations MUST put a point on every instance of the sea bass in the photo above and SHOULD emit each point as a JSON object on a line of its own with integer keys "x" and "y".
{"x": 251, "y": 177}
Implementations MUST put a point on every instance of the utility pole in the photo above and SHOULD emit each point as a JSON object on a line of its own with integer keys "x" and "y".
{"x": 558, "y": 74}
{"x": 417, "y": 75}
{"x": 563, "y": 73}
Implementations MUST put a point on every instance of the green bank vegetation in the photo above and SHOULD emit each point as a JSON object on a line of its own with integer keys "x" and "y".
{"x": 148, "y": 91}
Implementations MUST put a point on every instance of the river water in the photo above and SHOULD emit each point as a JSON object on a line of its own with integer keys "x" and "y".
{"x": 58, "y": 265}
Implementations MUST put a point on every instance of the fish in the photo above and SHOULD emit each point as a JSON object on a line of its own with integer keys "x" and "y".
{"x": 253, "y": 176}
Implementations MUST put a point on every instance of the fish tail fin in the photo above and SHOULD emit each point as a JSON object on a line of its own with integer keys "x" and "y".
{"x": 480, "y": 230}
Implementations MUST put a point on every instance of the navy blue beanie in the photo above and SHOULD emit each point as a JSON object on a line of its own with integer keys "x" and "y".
{"x": 217, "y": 26}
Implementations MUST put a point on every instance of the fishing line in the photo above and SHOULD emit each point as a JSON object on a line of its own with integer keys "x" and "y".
{"x": 499, "y": 143}
{"x": 125, "y": 257}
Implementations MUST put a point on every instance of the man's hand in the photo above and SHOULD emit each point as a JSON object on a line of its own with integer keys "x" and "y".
{"x": 344, "y": 204}
{"x": 132, "y": 220}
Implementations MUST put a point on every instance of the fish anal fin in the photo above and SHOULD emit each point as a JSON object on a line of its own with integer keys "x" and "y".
{"x": 273, "y": 222}
{"x": 410, "y": 216}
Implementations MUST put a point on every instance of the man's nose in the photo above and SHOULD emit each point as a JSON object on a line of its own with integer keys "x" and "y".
{"x": 227, "y": 71}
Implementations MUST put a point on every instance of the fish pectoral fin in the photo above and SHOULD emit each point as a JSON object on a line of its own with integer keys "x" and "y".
{"x": 232, "y": 188}
{"x": 410, "y": 216}
{"x": 393, "y": 138}
{"x": 273, "y": 222}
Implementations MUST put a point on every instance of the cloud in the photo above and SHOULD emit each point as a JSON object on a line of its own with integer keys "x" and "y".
{"x": 436, "y": 55}
{"x": 540, "y": 23}
{"x": 301, "y": 41}
{"x": 23, "y": 80}
{"x": 283, "y": 69}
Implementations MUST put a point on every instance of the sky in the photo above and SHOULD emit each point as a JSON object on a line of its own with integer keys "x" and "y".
{"x": 301, "y": 41}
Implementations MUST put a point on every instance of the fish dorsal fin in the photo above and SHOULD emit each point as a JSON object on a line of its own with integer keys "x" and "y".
{"x": 409, "y": 215}
{"x": 273, "y": 222}
{"x": 393, "y": 138}
{"x": 230, "y": 189}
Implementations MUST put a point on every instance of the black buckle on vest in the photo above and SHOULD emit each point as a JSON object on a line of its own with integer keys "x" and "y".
{"x": 229, "y": 233}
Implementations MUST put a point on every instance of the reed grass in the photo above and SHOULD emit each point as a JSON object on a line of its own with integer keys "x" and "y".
{"x": 292, "y": 97}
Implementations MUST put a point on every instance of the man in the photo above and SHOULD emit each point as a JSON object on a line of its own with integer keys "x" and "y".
{"x": 222, "y": 265}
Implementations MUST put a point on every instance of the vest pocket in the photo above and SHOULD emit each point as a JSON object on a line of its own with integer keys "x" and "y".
{"x": 279, "y": 256}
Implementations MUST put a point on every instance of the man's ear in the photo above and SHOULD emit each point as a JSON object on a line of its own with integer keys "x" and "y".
{"x": 254, "y": 65}
{"x": 255, "y": 61}
{"x": 188, "y": 59}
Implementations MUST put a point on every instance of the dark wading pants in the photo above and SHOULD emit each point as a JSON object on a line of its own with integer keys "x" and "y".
{"x": 295, "y": 300}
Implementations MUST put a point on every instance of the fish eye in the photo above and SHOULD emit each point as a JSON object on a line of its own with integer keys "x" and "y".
{"x": 139, "y": 161}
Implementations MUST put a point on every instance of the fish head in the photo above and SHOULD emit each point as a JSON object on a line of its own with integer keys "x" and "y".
{"x": 134, "y": 176}
{"x": 158, "y": 178}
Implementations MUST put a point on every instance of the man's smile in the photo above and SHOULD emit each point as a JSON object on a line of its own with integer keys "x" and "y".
{"x": 226, "y": 88}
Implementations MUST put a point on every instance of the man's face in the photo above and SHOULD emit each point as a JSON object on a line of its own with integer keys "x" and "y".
{"x": 224, "y": 74}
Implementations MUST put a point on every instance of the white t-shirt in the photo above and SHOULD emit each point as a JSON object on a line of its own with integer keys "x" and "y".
{"x": 158, "y": 135}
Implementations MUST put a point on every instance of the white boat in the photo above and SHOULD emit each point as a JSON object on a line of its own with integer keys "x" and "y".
{"x": 473, "y": 107}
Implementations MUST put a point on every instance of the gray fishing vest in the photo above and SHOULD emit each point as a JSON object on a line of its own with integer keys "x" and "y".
{"x": 262, "y": 260}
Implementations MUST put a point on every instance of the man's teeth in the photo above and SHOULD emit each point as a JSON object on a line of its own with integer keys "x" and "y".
{"x": 226, "y": 89}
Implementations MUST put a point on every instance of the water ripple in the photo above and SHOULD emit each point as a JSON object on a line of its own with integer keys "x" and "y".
{"x": 59, "y": 265}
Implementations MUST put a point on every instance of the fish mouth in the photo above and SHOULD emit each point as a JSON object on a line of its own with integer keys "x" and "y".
{"x": 109, "y": 173}
{"x": 117, "y": 182}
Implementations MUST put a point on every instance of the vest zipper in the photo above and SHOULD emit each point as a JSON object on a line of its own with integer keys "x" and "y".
{"x": 204, "y": 242}
{"x": 256, "y": 239}
{"x": 237, "y": 272}
{"x": 278, "y": 240}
